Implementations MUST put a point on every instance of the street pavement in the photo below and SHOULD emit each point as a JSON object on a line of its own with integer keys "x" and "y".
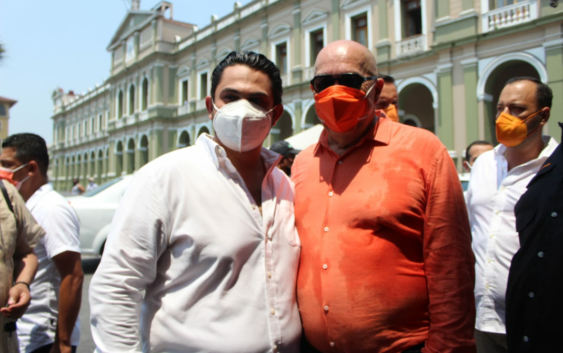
{"x": 89, "y": 265}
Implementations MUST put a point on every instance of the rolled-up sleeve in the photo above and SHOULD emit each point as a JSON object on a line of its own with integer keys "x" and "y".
{"x": 129, "y": 264}
{"x": 448, "y": 262}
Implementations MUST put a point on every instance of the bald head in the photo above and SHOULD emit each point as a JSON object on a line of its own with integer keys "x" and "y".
{"x": 345, "y": 56}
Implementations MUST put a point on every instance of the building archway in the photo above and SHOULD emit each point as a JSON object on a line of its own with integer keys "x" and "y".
{"x": 130, "y": 156}
{"x": 118, "y": 158}
{"x": 417, "y": 103}
{"x": 283, "y": 128}
{"x": 493, "y": 87}
{"x": 92, "y": 170}
{"x": 99, "y": 169}
{"x": 184, "y": 139}
{"x": 203, "y": 130}
{"x": 311, "y": 118}
{"x": 144, "y": 151}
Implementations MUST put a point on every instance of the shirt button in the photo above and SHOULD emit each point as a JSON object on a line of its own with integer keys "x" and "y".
{"x": 531, "y": 294}
{"x": 492, "y": 236}
{"x": 269, "y": 274}
{"x": 332, "y": 344}
{"x": 326, "y": 229}
{"x": 325, "y": 266}
{"x": 554, "y": 214}
{"x": 487, "y": 286}
{"x": 272, "y": 311}
{"x": 526, "y": 339}
{"x": 326, "y": 307}
{"x": 339, "y": 162}
{"x": 540, "y": 254}
{"x": 330, "y": 193}
{"x": 497, "y": 212}
{"x": 253, "y": 207}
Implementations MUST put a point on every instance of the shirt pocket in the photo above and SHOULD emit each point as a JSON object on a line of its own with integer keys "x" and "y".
{"x": 286, "y": 224}
{"x": 524, "y": 219}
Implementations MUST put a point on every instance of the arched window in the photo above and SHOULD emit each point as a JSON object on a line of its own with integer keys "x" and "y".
{"x": 131, "y": 99}
{"x": 119, "y": 104}
{"x": 145, "y": 94}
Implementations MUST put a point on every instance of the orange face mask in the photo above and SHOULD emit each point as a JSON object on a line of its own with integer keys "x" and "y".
{"x": 511, "y": 131}
{"x": 341, "y": 107}
{"x": 391, "y": 112}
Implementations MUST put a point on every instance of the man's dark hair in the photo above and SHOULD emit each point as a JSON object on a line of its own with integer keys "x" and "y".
{"x": 255, "y": 61}
{"x": 544, "y": 96}
{"x": 386, "y": 78}
{"x": 475, "y": 143}
{"x": 29, "y": 147}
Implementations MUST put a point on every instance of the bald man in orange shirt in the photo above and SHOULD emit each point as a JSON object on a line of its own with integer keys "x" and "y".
{"x": 386, "y": 261}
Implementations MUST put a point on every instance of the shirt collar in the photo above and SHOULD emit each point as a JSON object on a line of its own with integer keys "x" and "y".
{"x": 38, "y": 194}
{"x": 215, "y": 151}
{"x": 549, "y": 142}
{"x": 380, "y": 132}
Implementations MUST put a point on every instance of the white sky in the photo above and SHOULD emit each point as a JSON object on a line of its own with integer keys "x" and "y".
{"x": 62, "y": 43}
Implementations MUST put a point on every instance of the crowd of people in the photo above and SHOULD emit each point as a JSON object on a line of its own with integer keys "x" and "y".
{"x": 362, "y": 242}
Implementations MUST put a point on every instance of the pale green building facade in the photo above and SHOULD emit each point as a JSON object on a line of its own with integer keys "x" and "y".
{"x": 450, "y": 59}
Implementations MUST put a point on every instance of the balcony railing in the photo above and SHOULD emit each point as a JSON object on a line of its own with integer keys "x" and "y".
{"x": 285, "y": 80}
{"x": 200, "y": 104}
{"x": 144, "y": 115}
{"x": 308, "y": 74}
{"x": 411, "y": 46}
{"x": 183, "y": 109}
{"x": 510, "y": 15}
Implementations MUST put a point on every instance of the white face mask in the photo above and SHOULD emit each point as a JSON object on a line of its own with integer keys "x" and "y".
{"x": 241, "y": 126}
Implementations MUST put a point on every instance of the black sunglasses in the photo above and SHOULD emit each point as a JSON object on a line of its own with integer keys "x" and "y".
{"x": 322, "y": 82}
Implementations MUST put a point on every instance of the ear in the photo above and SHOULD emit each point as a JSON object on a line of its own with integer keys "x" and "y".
{"x": 545, "y": 114}
{"x": 277, "y": 113}
{"x": 33, "y": 168}
{"x": 466, "y": 166}
{"x": 209, "y": 106}
{"x": 376, "y": 90}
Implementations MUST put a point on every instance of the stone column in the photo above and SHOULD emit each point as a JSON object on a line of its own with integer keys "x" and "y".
{"x": 264, "y": 42}
{"x": 237, "y": 39}
{"x": 470, "y": 77}
{"x": 297, "y": 70}
{"x": 298, "y": 113}
{"x": 554, "y": 64}
{"x": 383, "y": 45}
{"x": 445, "y": 108}
{"x": 335, "y": 20}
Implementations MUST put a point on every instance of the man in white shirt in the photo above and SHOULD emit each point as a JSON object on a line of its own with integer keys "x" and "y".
{"x": 202, "y": 254}
{"x": 91, "y": 184}
{"x": 498, "y": 178}
{"x": 50, "y": 323}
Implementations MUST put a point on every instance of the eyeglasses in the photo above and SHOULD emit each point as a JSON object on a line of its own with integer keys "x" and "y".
{"x": 322, "y": 82}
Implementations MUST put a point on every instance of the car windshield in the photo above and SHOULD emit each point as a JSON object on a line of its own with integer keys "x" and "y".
{"x": 101, "y": 187}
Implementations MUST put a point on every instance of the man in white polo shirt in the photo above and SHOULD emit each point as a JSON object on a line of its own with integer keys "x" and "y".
{"x": 51, "y": 319}
{"x": 498, "y": 178}
{"x": 202, "y": 254}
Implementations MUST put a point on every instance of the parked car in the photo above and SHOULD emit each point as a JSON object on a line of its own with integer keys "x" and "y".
{"x": 95, "y": 211}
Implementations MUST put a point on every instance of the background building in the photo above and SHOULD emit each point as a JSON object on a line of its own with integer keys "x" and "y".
{"x": 450, "y": 58}
{"x": 5, "y": 105}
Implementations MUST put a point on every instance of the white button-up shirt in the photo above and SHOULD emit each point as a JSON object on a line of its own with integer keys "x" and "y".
{"x": 492, "y": 194}
{"x": 191, "y": 265}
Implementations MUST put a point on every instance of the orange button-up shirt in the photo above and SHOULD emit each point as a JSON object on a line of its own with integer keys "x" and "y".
{"x": 386, "y": 260}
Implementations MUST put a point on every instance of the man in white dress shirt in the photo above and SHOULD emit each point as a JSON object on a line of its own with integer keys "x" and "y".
{"x": 498, "y": 178}
{"x": 202, "y": 254}
{"x": 50, "y": 323}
